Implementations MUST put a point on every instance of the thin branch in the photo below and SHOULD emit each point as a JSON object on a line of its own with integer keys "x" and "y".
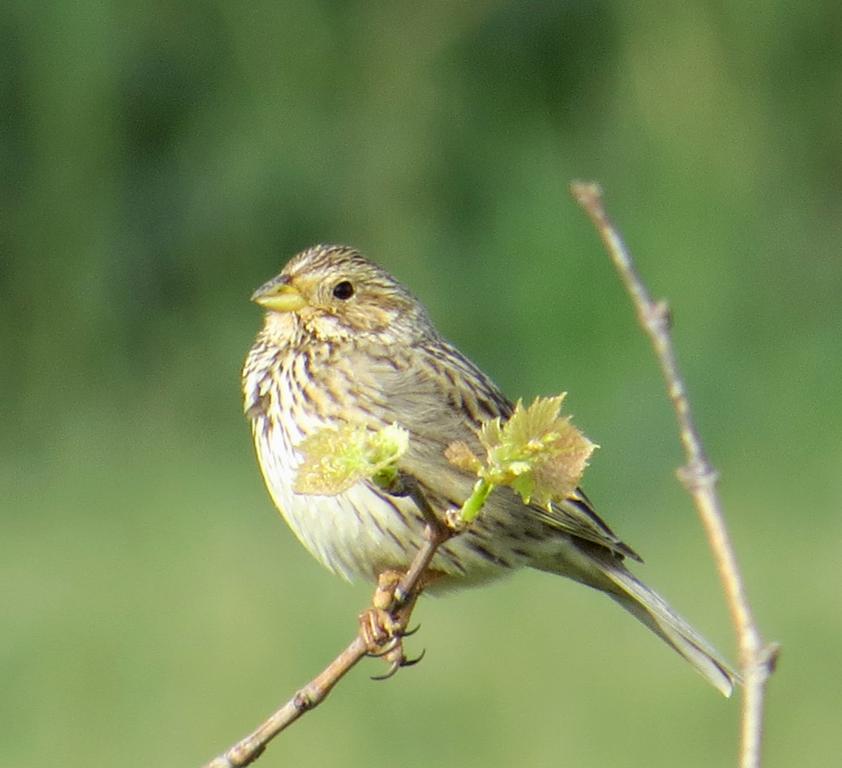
{"x": 757, "y": 658}
{"x": 310, "y": 696}
{"x": 435, "y": 534}
{"x": 404, "y": 595}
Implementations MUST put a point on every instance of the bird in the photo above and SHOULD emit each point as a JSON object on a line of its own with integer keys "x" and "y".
{"x": 344, "y": 343}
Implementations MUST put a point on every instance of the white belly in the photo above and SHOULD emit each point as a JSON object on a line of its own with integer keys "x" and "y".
{"x": 355, "y": 533}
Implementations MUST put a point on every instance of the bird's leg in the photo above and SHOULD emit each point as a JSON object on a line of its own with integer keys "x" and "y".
{"x": 383, "y": 625}
{"x": 379, "y": 624}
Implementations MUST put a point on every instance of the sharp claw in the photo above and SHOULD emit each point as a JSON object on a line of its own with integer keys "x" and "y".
{"x": 395, "y": 666}
{"x": 386, "y": 649}
{"x": 413, "y": 662}
{"x": 410, "y": 632}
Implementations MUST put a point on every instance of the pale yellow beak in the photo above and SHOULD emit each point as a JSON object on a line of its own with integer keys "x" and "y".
{"x": 279, "y": 296}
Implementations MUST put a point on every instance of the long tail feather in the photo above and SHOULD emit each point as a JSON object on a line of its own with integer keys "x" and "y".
{"x": 650, "y": 609}
{"x": 602, "y": 569}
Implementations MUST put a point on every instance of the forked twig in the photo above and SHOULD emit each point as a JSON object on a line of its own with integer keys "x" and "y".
{"x": 757, "y": 657}
{"x": 247, "y": 750}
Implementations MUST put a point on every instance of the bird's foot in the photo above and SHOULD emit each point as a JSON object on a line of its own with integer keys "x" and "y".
{"x": 383, "y": 625}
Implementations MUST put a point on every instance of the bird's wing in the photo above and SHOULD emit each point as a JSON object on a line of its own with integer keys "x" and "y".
{"x": 440, "y": 397}
{"x": 576, "y": 515}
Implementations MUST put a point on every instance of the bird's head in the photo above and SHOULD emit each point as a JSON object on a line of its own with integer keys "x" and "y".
{"x": 333, "y": 292}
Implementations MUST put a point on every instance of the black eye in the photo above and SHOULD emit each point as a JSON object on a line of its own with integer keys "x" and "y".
{"x": 343, "y": 290}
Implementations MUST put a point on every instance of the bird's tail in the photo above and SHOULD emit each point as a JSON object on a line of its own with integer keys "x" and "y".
{"x": 652, "y": 610}
{"x": 607, "y": 573}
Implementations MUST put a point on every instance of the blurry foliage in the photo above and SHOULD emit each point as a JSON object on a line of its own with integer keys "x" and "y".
{"x": 160, "y": 161}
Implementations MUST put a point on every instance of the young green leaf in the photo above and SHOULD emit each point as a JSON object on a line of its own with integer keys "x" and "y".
{"x": 536, "y": 452}
{"x": 335, "y": 459}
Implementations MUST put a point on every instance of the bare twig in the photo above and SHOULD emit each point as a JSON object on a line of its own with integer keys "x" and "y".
{"x": 408, "y": 589}
{"x": 311, "y": 695}
{"x": 757, "y": 658}
{"x": 436, "y": 533}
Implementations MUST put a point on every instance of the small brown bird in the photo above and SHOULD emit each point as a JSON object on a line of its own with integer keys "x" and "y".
{"x": 343, "y": 342}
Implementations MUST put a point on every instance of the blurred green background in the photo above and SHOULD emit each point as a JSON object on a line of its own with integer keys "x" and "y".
{"x": 161, "y": 160}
